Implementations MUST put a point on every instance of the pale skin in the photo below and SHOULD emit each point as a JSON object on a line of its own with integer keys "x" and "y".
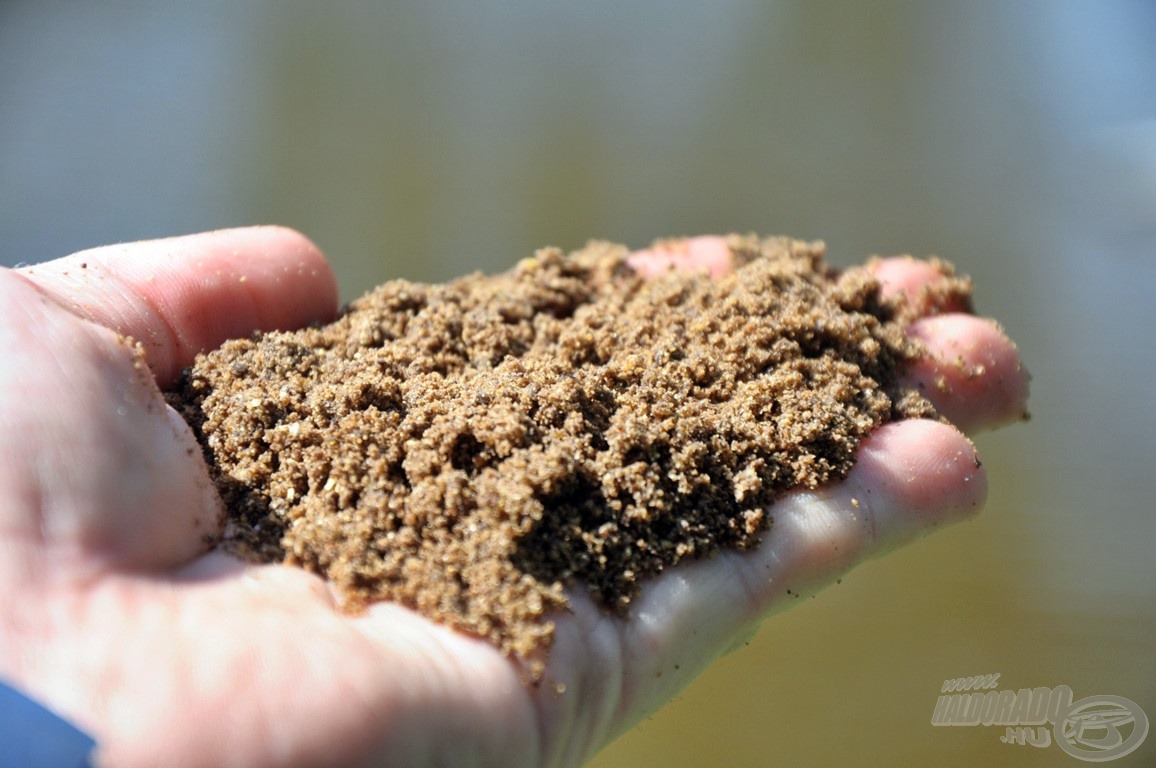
{"x": 114, "y": 612}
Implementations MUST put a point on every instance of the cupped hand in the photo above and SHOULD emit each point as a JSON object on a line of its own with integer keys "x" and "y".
{"x": 114, "y": 614}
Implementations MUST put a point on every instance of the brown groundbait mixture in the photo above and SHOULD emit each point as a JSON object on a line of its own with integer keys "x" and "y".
{"x": 471, "y": 449}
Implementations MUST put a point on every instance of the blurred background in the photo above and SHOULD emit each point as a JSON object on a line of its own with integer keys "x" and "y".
{"x": 424, "y": 140}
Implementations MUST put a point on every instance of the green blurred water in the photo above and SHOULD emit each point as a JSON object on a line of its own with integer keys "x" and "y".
{"x": 426, "y": 140}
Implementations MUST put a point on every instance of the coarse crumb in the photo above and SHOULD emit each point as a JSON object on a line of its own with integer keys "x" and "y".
{"x": 471, "y": 450}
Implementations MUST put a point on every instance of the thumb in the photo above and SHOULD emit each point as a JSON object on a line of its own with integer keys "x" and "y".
{"x": 102, "y": 469}
{"x": 102, "y": 473}
{"x": 184, "y": 295}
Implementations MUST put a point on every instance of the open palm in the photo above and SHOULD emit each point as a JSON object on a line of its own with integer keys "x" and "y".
{"x": 113, "y": 613}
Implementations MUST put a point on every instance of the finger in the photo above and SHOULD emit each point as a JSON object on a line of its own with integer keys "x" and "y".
{"x": 973, "y": 373}
{"x": 928, "y": 287}
{"x": 710, "y": 253}
{"x": 185, "y": 295}
{"x": 911, "y": 477}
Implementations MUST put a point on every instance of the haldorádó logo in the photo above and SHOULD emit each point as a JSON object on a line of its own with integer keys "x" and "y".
{"x": 1091, "y": 729}
{"x": 1095, "y": 729}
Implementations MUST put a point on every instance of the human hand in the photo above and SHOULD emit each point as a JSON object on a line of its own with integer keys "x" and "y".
{"x": 113, "y": 613}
